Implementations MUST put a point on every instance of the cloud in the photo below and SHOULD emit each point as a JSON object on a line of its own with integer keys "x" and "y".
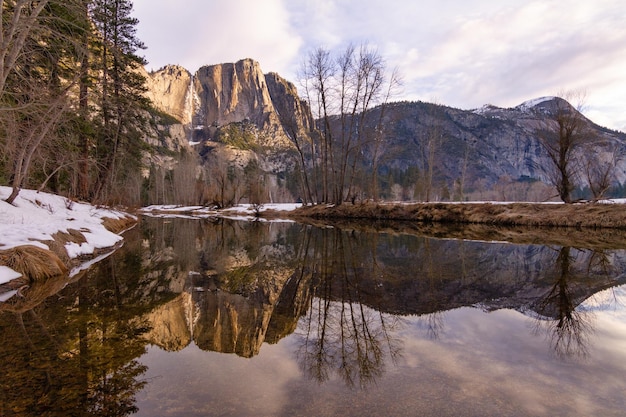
{"x": 505, "y": 56}
{"x": 465, "y": 54}
{"x": 199, "y": 32}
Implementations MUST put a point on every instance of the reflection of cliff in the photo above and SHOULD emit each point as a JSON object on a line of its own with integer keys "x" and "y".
{"x": 253, "y": 282}
{"x": 238, "y": 322}
{"x": 219, "y": 320}
{"x": 169, "y": 324}
{"x": 236, "y": 275}
{"x": 404, "y": 274}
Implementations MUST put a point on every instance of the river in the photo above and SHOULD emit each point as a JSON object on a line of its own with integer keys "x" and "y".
{"x": 197, "y": 317}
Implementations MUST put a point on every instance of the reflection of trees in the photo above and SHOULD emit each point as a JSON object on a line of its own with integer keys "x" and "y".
{"x": 568, "y": 329}
{"x": 339, "y": 333}
{"x": 76, "y": 353}
{"x": 433, "y": 323}
{"x": 61, "y": 365}
{"x": 255, "y": 280}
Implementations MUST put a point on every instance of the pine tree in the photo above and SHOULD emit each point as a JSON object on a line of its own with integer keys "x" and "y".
{"x": 121, "y": 103}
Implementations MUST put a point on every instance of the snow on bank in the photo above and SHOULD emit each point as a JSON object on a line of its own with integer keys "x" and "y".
{"x": 7, "y": 274}
{"x": 238, "y": 212}
{"x": 35, "y": 216}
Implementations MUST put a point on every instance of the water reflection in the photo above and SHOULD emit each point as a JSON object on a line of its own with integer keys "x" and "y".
{"x": 341, "y": 294}
{"x": 569, "y": 330}
{"x": 76, "y": 352}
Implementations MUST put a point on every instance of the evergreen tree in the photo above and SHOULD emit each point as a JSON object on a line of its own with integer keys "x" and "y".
{"x": 121, "y": 103}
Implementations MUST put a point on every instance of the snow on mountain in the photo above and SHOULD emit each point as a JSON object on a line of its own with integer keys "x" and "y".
{"x": 527, "y": 105}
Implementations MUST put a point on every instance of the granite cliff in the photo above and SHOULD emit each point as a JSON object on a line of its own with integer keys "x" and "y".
{"x": 484, "y": 149}
{"x": 216, "y": 96}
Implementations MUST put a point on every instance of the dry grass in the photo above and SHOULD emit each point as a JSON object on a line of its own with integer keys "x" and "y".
{"x": 33, "y": 262}
{"x": 118, "y": 225}
{"x": 36, "y": 264}
{"x": 34, "y": 293}
{"x": 515, "y": 214}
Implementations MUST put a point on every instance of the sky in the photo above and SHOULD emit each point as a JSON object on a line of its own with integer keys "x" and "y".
{"x": 460, "y": 53}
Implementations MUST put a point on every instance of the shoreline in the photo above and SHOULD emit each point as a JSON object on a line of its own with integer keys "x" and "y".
{"x": 575, "y": 215}
{"x": 33, "y": 262}
{"x": 45, "y": 236}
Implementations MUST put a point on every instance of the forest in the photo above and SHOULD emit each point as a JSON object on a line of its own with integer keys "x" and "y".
{"x": 73, "y": 110}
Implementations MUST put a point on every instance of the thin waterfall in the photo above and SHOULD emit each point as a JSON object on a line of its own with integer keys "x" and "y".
{"x": 189, "y": 107}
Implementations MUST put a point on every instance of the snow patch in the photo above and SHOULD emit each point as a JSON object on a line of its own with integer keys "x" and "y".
{"x": 7, "y": 295}
{"x": 239, "y": 212}
{"x": 485, "y": 109}
{"x": 7, "y": 274}
{"x": 527, "y": 105}
{"x": 34, "y": 217}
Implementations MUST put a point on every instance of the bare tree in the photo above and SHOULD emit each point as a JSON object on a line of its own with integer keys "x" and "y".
{"x": 225, "y": 184}
{"x": 560, "y": 136}
{"x": 460, "y": 194}
{"x": 39, "y": 55}
{"x": 430, "y": 148}
{"x": 341, "y": 93}
{"x": 184, "y": 177}
{"x": 599, "y": 171}
{"x": 20, "y": 21}
{"x": 302, "y": 140}
{"x": 318, "y": 71}
{"x": 378, "y": 143}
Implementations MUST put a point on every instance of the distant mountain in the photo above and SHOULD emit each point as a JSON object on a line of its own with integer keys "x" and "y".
{"x": 473, "y": 150}
{"x": 492, "y": 143}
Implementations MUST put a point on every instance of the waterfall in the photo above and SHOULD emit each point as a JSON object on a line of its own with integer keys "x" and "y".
{"x": 189, "y": 106}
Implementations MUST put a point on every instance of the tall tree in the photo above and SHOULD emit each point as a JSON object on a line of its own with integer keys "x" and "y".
{"x": 122, "y": 104}
{"x": 430, "y": 149}
{"x": 318, "y": 71}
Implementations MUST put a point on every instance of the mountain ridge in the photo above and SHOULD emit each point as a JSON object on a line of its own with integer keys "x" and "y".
{"x": 479, "y": 149}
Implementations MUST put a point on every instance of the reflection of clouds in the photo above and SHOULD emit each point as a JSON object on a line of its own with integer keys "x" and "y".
{"x": 203, "y": 383}
{"x": 612, "y": 299}
{"x": 610, "y": 304}
{"x": 488, "y": 362}
{"x": 492, "y": 357}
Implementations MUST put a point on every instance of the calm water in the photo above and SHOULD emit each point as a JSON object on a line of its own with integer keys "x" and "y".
{"x": 197, "y": 317}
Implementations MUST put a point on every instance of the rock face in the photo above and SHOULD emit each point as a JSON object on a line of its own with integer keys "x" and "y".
{"x": 219, "y": 95}
{"x": 295, "y": 113}
{"x": 484, "y": 145}
{"x": 169, "y": 90}
{"x": 235, "y": 110}
{"x": 231, "y": 93}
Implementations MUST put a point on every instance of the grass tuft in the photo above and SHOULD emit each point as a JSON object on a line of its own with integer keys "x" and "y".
{"x": 33, "y": 262}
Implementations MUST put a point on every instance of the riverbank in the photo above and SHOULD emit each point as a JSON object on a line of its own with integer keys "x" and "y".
{"x": 44, "y": 235}
{"x": 579, "y": 215}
